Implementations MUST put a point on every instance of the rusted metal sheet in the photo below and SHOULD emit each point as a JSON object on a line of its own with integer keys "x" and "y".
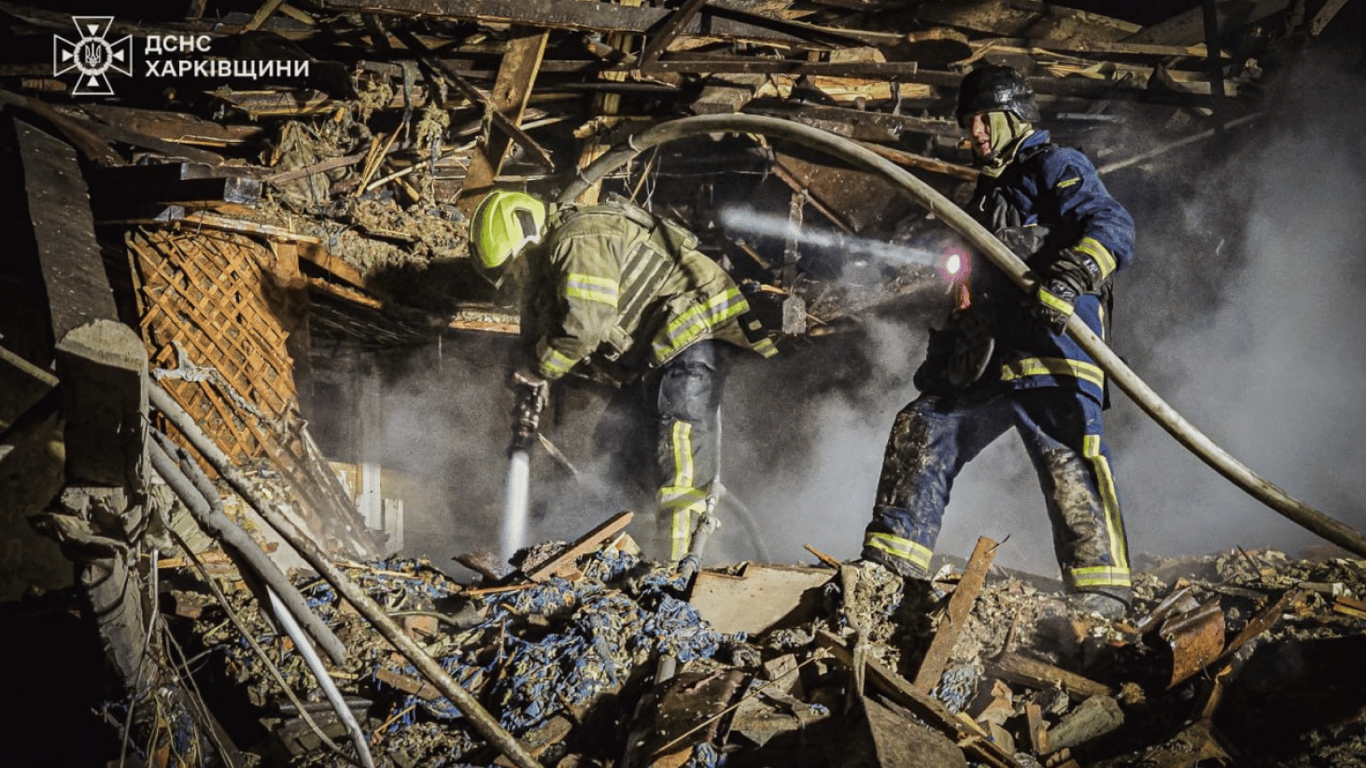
{"x": 1196, "y": 638}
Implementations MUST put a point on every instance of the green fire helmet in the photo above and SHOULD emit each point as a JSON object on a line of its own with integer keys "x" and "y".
{"x": 503, "y": 225}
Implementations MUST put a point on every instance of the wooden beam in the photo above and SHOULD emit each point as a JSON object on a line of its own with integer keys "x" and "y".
{"x": 101, "y": 362}
{"x": 512, "y": 89}
{"x": 660, "y": 40}
{"x": 1188, "y": 27}
{"x": 968, "y": 736}
{"x": 475, "y": 95}
{"x": 563, "y": 562}
{"x": 1015, "y": 668}
{"x": 1035, "y": 46}
{"x": 960, "y": 605}
{"x": 717, "y": 21}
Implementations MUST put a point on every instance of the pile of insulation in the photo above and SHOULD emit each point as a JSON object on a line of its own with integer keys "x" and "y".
{"x": 529, "y": 653}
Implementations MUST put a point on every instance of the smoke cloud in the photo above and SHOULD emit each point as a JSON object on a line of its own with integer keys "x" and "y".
{"x": 1243, "y": 310}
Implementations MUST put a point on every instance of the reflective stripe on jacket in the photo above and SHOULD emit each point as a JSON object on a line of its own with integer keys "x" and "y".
{"x": 1057, "y": 190}
{"x": 614, "y": 282}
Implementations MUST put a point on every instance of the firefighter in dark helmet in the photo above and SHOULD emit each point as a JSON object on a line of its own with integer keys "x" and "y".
{"x": 1003, "y": 359}
{"x": 616, "y": 289}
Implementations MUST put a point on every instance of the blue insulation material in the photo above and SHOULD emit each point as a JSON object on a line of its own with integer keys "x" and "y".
{"x": 957, "y": 686}
{"x": 704, "y": 755}
{"x": 597, "y": 632}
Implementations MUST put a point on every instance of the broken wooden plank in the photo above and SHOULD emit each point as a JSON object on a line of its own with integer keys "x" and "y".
{"x": 762, "y": 597}
{"x": 1026, "y": 18}
{"x": 177, "y": 127}
{"x": 23, "y": 384}
{"x": 1093, "y": 718}
{"x": 1347, "y": 606}
{"x": 1325, "y": 15}
{"x": 1036, "y": 46}
{"x": 1188, "y": 27}
{"x": 1038, "y": 729}
{"x": 420, "y": 688}
{"x": 564, "y": 561}
{"x": 858, "y": 124}
{"x": 660, "y": 40}
{"x": 1264, "y": 620}
{"x": 264, "y": 12}
{"x": 477, "y": 96}
{"x": 960, "y": 605}
{"x": 101, "y": 362}
{"x": 969, "y": 738}
{"x": 897, "y": 742}
{"x": 716, "y": 22}
{"x": 245, "y": 227}
{"x": 512, "y": 89}
{"x": 1040, "y": 674}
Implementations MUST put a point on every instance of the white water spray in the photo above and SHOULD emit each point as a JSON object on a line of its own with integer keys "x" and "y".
{"x": 513, "y": 531}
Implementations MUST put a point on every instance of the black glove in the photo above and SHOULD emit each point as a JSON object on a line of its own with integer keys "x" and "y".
{"x": 1065, "y": 280}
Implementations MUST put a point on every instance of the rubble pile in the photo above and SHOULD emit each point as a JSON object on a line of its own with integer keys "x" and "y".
{"x": 1244, "y": 658}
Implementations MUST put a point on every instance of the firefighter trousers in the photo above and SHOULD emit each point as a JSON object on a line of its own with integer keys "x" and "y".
{"x": 934, "y": 437}
{"x": 686, "y": 394}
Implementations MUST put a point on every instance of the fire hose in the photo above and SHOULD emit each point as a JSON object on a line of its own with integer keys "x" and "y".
{"x": 478, "y": 717}
{"x": 1004, "y": 259}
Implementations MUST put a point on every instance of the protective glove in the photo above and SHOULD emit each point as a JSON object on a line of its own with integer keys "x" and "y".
{"x": 972, "y": 348}
{"x": 1065, "y": 280}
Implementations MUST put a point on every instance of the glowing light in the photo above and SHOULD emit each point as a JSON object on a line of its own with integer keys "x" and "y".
{"x": 954, "y": 265}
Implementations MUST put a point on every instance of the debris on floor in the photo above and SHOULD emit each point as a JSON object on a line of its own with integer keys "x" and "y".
{"x": 1245, "y": 658}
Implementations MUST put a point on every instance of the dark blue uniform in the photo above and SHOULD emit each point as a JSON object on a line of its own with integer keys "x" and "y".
{"x": 1047, "y": 199}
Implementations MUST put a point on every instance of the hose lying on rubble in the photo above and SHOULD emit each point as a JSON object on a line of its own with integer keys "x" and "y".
{"x": 193, "y": 487}
{"x": 479, "y": 718}
{"x": 187, "y": 481}
{"x": 1010, "y": 264}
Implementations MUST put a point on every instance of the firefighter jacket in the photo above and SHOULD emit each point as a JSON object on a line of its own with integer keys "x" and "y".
{"x": 1047, "y": 199}
{"x": 628, "y": 289}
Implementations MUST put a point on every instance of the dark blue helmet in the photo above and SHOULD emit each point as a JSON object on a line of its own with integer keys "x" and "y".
{"x": 995, "y": 88}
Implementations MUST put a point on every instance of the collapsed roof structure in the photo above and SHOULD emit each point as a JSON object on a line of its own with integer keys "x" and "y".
{"x": 229, "y": 216}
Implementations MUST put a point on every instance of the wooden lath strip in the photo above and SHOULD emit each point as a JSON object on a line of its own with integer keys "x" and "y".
{"x": 209, "y": 348}
{"x": 258, "y": 349}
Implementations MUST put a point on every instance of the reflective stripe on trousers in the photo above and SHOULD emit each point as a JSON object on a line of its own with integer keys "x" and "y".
{"x": 689, "y": 391}
{"x": 933, "y": 438}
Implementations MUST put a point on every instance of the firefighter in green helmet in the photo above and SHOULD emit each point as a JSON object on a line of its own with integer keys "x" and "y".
{"x": 613, "y": 290}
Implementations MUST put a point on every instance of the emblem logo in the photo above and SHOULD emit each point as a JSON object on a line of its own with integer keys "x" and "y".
{"x": 92, "y": 56}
